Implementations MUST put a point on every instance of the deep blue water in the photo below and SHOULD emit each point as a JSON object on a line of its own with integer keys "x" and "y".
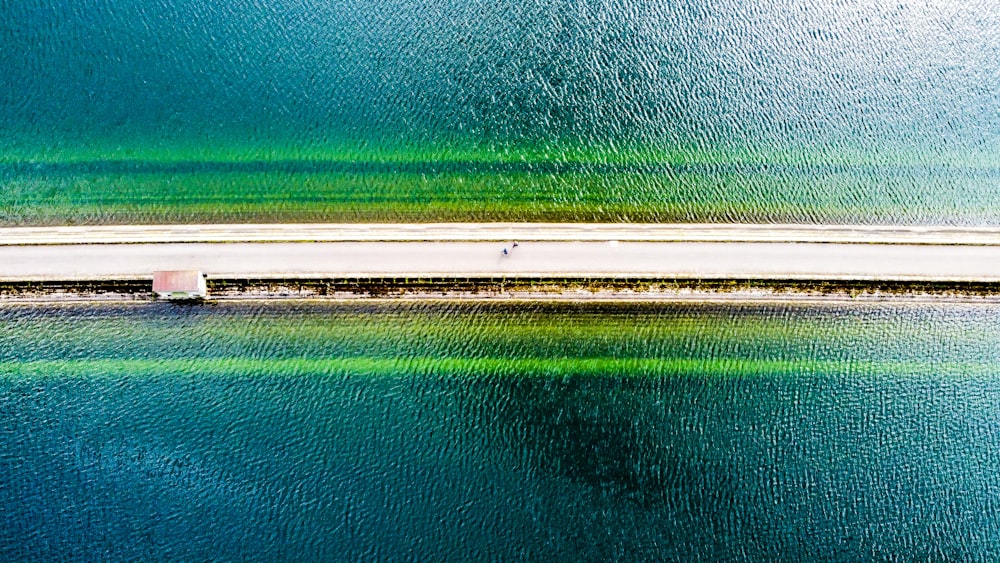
{"x": 910, "y": 76}
{"x": 234, "y": 432}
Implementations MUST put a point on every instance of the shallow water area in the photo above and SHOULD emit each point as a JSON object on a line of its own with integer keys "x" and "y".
{"x": 474, "y": 430}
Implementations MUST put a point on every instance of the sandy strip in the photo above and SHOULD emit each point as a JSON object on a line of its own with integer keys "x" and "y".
{"x": 499, "y": 232}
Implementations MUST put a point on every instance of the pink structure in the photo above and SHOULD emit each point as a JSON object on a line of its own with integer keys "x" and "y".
{"x": 179, "y": 284}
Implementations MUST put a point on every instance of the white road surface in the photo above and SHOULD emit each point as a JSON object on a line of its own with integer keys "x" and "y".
{"x": 763, "y": 260}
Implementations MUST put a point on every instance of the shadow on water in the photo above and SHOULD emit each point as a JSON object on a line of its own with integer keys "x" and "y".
{"x": 613, "y": 435}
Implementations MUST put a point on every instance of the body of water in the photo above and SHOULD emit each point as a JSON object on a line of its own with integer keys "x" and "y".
{"x": 472, "y": 431}
{"x": 116, "y": 111}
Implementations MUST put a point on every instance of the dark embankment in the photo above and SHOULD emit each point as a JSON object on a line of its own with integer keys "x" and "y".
{"x": 487, "y": 287}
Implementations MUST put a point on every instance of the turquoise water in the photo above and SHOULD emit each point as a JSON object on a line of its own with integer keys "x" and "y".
{"x": 468, "y": 431}
{"x": 117, "y": 111}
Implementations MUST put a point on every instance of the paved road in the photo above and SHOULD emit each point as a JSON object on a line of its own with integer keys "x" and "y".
{"x": 469, "y": 232}
{"x": 686, "y": 259}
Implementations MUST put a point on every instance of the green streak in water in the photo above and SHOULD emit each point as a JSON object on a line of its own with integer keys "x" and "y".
{"x": 495, "y": 339}
{"x": 514, "y": 367}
